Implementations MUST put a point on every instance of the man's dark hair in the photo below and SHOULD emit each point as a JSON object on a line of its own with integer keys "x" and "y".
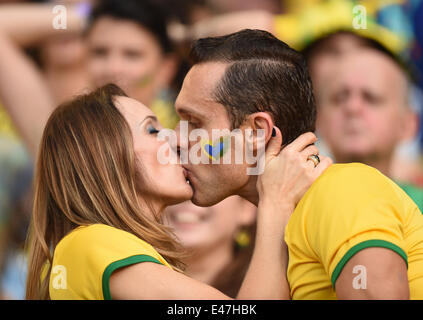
{"x": 263, "y": 74}
{"x": 145, "y": 13}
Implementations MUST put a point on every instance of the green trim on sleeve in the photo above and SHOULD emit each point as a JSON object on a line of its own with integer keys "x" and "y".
{"x": 120, "y": 264}
{"x": 363, "y": 245}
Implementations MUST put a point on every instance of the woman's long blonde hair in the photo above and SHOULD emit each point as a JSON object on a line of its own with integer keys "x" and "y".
{"x": 87, "y": 173}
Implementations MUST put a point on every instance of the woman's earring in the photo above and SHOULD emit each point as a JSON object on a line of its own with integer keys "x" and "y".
{"x": 242, "y": 239}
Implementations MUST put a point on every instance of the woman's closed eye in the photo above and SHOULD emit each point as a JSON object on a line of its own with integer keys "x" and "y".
{"x": 150, "y": 125}
{"x": 152, "y": 130}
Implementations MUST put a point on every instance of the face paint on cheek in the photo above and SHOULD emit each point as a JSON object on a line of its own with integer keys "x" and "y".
{"x": 217, "y": 149}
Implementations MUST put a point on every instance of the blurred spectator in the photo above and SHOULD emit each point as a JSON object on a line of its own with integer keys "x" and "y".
{"x": 58, "y": 74}
{"x": 187, "y": 12}
{"x": 15, "y": 206}
{"x": 60, "y": 59}
{"x": 224, "y": 6}
{"x": 60, "y": 55}
{"x": 219, "y": 239}
{"x": 363, "y": 108}
{"x": 301, "y": 22}
{"x": 394, "y": 24}
{"x": 127, "y": 44}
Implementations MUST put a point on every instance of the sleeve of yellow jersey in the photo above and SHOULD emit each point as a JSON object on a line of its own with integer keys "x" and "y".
{"x": 353, "y": 208}
{"x": 102, "y": 250}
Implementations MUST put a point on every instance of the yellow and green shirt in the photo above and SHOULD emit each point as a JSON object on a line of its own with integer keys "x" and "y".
{"x": 85, "y": 259}
{"x": 309, "y": 20}
{"x": 350, "y": 207}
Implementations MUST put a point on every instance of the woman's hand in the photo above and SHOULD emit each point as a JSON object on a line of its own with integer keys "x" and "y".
{"x": 288, "y": 174}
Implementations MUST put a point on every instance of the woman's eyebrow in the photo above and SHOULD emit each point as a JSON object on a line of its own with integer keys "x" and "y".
{"x": 154, "y": 118}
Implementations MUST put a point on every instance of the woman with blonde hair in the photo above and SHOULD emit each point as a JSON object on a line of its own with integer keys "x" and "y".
{"x": 97, "y": 231}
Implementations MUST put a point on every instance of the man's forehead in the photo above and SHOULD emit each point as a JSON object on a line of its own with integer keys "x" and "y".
{"x": 199, "y": 85}
{"x": 369, "y": 62}
{"x": 207, "y": 73}
{"x": 374, "y": 72}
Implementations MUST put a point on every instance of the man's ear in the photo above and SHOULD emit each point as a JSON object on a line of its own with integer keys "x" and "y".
{"x": 258, "y": 127}
{"x": 411, "y": 125}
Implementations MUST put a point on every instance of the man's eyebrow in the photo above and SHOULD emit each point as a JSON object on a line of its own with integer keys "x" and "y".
{"x": 190, "y": 111}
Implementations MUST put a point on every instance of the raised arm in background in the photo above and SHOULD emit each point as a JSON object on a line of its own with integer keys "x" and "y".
{"x": 24, "y": 92}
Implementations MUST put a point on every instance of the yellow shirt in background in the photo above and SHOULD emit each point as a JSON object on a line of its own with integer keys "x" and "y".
{"x": 85, "y": 259}
{"x": 6, "y": 126}
{"x": 350, "y": 207}
{"x": 165, "y": 112}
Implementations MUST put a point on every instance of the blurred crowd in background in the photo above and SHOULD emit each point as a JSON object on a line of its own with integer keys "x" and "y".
{"x": 365, "y": 59}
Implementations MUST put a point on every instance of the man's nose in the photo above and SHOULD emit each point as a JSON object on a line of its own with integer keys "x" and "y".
{"x": 114, "y": 68}
{"x": 354, "y": 105}
{"x": 182, "y": 135}
{"x": 181, "y": 147}
{"x": 173, "y": 145}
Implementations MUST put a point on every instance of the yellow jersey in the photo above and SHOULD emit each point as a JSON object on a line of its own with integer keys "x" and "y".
{"x": 84, "y": 260}
{"x": 350, "y": 207}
